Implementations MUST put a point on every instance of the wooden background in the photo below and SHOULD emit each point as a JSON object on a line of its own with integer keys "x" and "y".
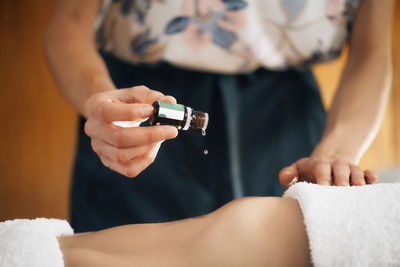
{"x": 38, "y": 128}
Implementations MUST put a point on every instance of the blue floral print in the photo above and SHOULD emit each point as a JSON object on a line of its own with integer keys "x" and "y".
{"x": 209, "y": 22}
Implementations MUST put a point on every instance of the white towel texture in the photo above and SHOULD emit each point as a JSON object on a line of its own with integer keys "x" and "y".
{"x": 32, "y": 242}
{"x": 351, "y": 226}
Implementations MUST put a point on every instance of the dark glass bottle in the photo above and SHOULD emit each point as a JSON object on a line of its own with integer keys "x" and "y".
{"x": 178, "y": 115}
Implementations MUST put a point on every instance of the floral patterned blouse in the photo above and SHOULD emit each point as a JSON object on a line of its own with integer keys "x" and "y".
{"x": 228, "y": 36}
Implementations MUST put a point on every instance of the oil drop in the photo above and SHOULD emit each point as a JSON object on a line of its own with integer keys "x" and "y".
{"x": 180, "y": 116}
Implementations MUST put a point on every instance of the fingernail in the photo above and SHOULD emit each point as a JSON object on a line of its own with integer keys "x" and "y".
{"x": 325, "y": 183}
{"x": 294, "y": 180}
{"x": 171, "y": 98}
{"x": 343, "y": 184}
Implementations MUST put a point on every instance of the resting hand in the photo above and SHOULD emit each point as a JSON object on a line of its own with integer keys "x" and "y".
{"x": 324, "y": 171}
{"x": 127, "y": 151}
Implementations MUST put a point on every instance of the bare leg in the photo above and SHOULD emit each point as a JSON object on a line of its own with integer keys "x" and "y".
{"x": 251, "y": 231}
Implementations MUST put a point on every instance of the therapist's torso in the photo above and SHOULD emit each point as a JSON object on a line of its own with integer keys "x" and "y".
{"x": 226, "y": 36}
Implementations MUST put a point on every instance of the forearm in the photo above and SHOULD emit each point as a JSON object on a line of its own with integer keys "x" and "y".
{"x": 357, "y": 110}
{"x": 245, "y": 232}
{"x": 361, "y": 98}
{"x": 72, "y": 56}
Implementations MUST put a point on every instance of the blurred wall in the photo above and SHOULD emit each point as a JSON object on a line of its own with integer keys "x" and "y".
{"x": 38, "y": 131}
{"x": 37, "y": 137}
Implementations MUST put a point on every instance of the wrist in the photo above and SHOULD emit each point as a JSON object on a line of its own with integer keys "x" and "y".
{"x": 96, "y": 86}
{"x": 337, "y": 146}
{"x": 101, "y": 84}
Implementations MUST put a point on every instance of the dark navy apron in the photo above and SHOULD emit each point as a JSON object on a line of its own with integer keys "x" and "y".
{"x": 259, "y": 123}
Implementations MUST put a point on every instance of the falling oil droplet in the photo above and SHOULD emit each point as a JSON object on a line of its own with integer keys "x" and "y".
{"x": 203, "y": 133}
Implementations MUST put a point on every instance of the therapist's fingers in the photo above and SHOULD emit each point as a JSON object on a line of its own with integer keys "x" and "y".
{"x": 305, "y": 167}
{"x": 142, "y": 94}
{"x": 131, "y": 136}
{"x": 289, "y": 175}
{"x": 169, "y": 99}
{"x": 356, "y": 175}
{"x": 136, "y": 166}
{"x": 341, "y": 173}
{"x": 137, "y": 94}
{"x": 370, "y": 177}
{"x": 323, "y": 173}
{"x": 122, "y": 156}
{"x": 109, "y": 105}
{"x": 108, "y": 111}
{"x": 140, "y": 163}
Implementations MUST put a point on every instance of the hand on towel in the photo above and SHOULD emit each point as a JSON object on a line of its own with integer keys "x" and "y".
{"x": 325, "y": 171}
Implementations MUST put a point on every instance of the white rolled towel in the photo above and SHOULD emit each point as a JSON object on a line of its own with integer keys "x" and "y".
{"x": 32, "y": 242}
{"x": 351, "y": 226}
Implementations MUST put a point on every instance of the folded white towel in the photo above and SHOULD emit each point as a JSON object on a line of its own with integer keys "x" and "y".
{"x": 32, "y": 242}
{"x": 351, "y": 226}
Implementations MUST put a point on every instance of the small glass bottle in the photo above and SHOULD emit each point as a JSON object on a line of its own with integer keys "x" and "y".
{"x": 180, "y": 116}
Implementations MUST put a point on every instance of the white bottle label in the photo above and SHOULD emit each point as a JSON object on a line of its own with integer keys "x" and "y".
{"x": 171, "y": 111}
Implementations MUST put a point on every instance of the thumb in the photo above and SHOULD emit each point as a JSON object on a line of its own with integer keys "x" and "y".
{"x": 138, "y": 94}
{"x": 288, "y": 174}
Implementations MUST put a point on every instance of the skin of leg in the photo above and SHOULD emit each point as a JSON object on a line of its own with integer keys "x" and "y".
{"x": 252, "y": 231}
